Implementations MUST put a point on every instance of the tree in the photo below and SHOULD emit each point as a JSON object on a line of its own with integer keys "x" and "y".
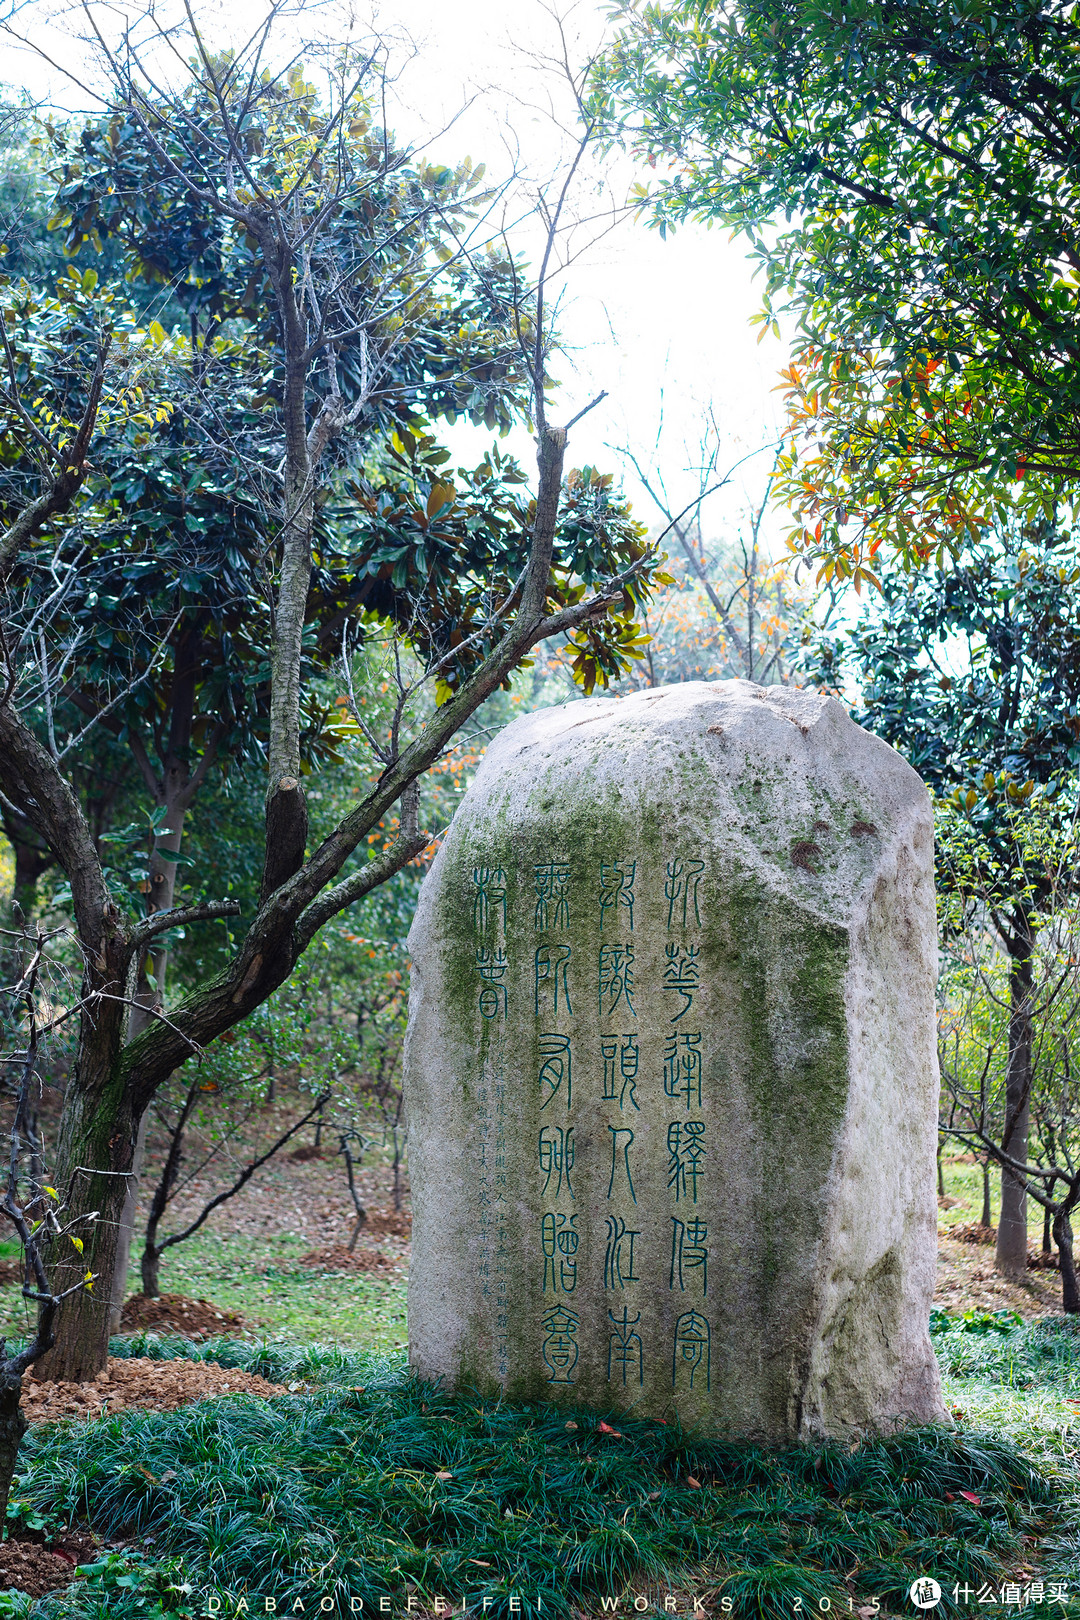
{"x": 36, "y": 1210}
{"x": 1046, "y": 1164}
{"x": 905, "y": 175}
{"x": 251, "y": 159}
{"x": 155, "y": 1244}
{"x": 974, "y": 675}
{"x": 731, "y": 608}
{"x": 292, "y": 1061}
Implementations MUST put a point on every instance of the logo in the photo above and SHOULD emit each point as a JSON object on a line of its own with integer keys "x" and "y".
{"x": 925, "y": 1592}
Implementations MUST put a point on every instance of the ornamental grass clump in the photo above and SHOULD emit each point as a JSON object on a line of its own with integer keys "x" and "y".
{"x": 393, "y": 1489}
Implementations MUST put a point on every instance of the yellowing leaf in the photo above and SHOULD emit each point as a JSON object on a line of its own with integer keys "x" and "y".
{"x": 78, "y": 1244}
{"x": 157, "y": 332}
{"x": 441, "y": 495}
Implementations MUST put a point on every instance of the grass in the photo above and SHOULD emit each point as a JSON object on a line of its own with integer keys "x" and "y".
{"x": 364, "y": 1484}
{"x": 392, "y": 1489}
{"x": 265, "y": 1283}
{"x": 964, "y": 1182}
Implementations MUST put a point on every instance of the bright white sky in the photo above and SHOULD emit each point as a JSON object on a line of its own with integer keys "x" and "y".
{"x": 662, "y": 326}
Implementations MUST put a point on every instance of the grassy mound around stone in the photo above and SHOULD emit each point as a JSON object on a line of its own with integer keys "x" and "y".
{"x": 376, "y": 1486}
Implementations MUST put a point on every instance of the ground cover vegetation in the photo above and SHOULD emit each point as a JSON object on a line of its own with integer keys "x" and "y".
{"x": 392, "y": 1486}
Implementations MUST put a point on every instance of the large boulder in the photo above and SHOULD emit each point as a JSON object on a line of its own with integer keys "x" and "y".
{"x": 671, "y": 1071}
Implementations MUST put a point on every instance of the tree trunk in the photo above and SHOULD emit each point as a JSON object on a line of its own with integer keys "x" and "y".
{"x": 151, "y": 1272}
{"x": 174, "y": 795}
{"x": 30, "y": 863}
{"x": 126, "y": 1232}
{"x": 986, "y": 1218}
{"x": 93, "y": 1162}
{"x": 151, "y": 1255}
{"x": 12, "y": 1428}
{"x": 1070, "y": 1292}
{"x": 1011, "y": 1256}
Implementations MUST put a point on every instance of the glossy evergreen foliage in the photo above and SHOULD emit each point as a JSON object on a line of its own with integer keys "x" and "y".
{"x": 161, "y": 577}
{"x": 973, "y": 673}
{"x": 907, "y": 176}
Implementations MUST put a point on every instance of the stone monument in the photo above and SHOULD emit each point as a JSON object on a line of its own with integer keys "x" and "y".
{"x": 671, "y": 1071}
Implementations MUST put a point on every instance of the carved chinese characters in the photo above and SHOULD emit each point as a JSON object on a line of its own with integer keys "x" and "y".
{"x": 671, "y": 1094}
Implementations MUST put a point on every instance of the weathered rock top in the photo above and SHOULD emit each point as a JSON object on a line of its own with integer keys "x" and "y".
{"x": 792, "y": 780}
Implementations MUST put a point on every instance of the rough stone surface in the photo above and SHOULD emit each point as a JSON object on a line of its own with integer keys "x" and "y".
{"x": 671, "y": 1069}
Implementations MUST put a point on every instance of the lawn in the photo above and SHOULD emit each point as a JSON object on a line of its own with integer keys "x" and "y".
{"x": 280, "y": 1297}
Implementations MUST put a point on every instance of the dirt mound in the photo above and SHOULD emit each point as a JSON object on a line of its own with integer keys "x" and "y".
{"x": 172, "y": 1313}
{"x": 392, "y": 1222}
{"x": 338, "y": 1258}
{"x": 973, "y": 1232}
{"x": 153, "y": 1386}
{"x": 32, "y": 1568}
{"x": 1039, "y": 1260}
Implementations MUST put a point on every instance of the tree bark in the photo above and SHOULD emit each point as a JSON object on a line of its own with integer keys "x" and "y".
{"x": 93, "y": 1162}
{"x": 12, "y": 1428}
{"x": 150, "y": 1266}
{"x": 986, "y": 1218}
{"x": 173, "y": 793}
{"x": 1011, "y": 1255}
{"x": 1070, "y": 1291}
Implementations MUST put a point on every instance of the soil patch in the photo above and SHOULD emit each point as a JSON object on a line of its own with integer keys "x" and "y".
{"x": 338, "y": 1258}
{"x": 397, "y": 1223}
{"x": 172, "y": 1313}
{"x": 152, "y": 1386}
{"x": 35, "y": 1569}
{"x": 966, "y": 1280}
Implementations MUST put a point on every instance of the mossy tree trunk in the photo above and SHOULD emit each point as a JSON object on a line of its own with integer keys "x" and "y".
{"x": 1011, "y": 1254}
{"x": 12, "y": 1428}
{"x": 172, "y": 792}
